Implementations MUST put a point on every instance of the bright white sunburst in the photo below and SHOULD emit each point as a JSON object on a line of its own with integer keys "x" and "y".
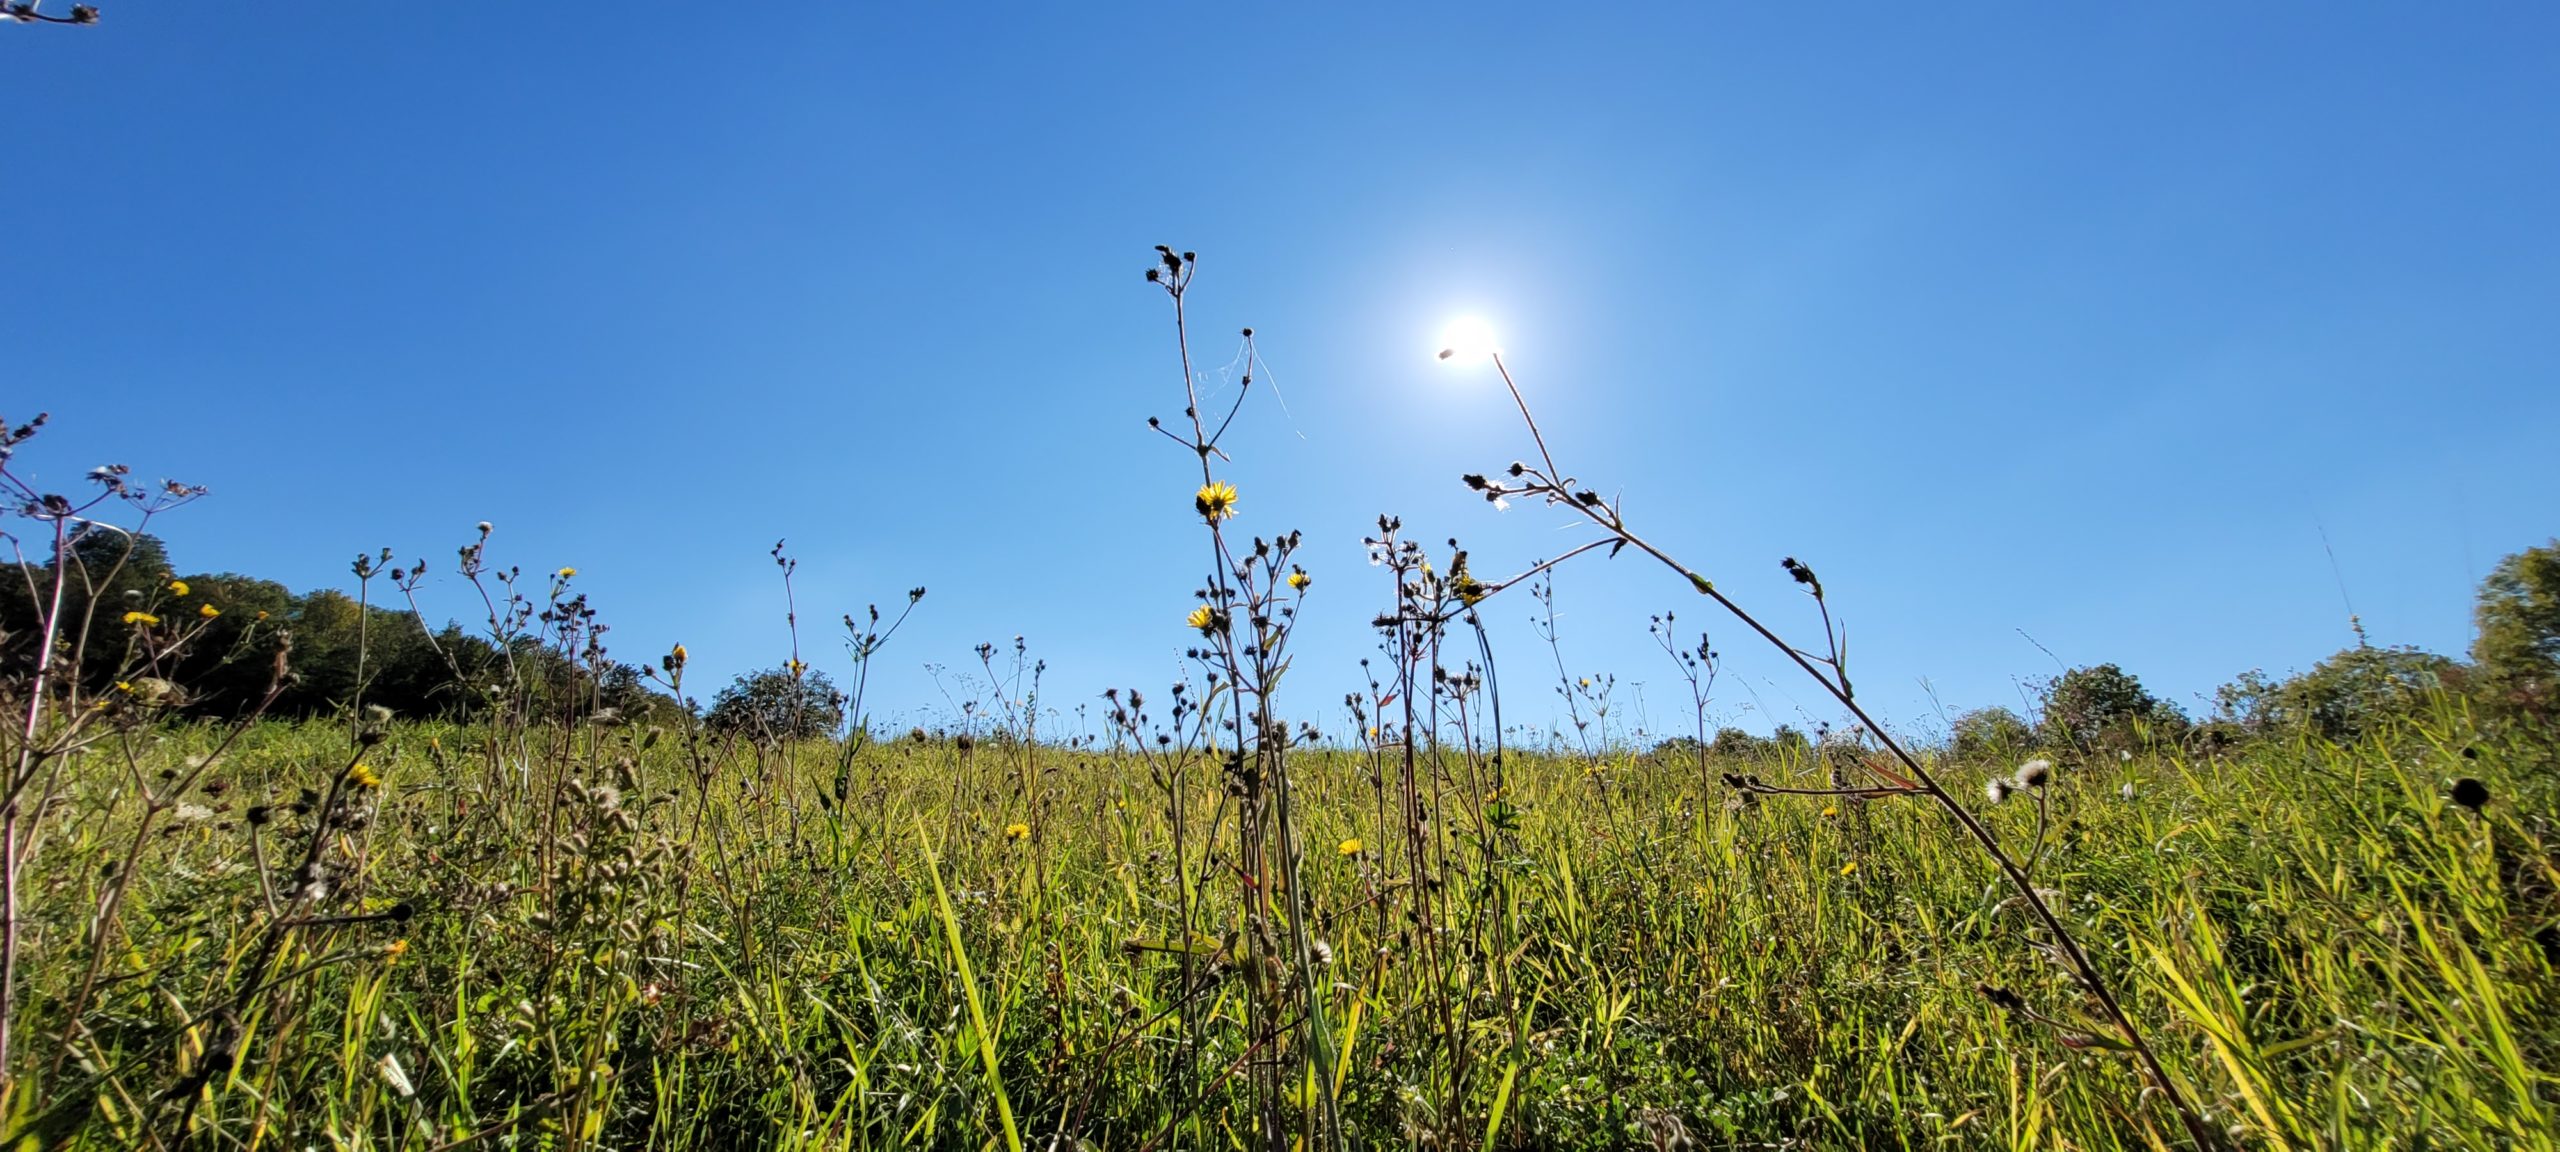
{"x": 1467, "y": 338}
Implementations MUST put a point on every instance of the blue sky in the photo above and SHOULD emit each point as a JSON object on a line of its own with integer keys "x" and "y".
{"x": 2087, "y": 325}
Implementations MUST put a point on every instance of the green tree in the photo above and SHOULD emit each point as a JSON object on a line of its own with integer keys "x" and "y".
{"x": 2516, "y": 656}
{"x": 2104, "y": 706}
{"x": 1991, "y": 733}
{"x": 2341, "y": 698}
{"x": 776, "y": 705}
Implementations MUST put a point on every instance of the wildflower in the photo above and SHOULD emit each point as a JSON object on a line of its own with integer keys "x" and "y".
{"x": 1830, "y": 809}
{"x": 2034, "y": 773}
{"x": 177, "y": 587}
{"x": 395, "y": 949}
{"x": 124, "y": 685}
{"x": 1350, "y": 847}
{"x": 1996, "y": 790}
{"x": 145, "y": 619}
{"x": 208, "y": 611}
{"x": 1203, "y": 618}
{"x": 363, "y": 776}
{"x": 1848, "y": 868}
{"x": 566, "y": 573}
{"x": 1216, "y": 501}
{"x": 1017, "y": 830}
{"x": 1322, "y": 952}
{"x": 679, "y": 654}
{"x": 794, "y": 667}
{"x": 262, "y": 614}
{"x": 1299, "y": 580}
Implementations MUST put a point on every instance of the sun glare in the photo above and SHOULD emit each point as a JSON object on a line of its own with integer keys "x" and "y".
{"x": 1467, "y": 337}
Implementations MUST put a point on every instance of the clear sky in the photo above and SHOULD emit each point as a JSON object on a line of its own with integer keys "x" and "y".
{"x": 2083, "y": 324}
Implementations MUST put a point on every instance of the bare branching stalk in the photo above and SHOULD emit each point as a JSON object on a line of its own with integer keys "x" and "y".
{"x": 1547, "y": 482}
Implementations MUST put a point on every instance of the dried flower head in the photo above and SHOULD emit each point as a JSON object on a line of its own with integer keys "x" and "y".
{"x": 2035, "y": 773}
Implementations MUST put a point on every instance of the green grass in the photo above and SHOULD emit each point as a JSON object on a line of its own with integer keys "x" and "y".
{"x": 675, "y": 947}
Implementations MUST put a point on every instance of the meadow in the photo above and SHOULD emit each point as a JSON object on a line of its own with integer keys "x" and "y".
{"x": 579, "y": 909}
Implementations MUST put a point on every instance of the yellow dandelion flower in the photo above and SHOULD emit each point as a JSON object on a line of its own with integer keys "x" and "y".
{"x": 1203, "y": 618}
{"x": 679, "y": 654}
{"x": 124, "y": 685}
{"x": 1216, "y": 501}
{"x": 145, "y": 619}
{"x": 1300, "y": 580}
{"x": 1849, "y": 867}
{"x": 208, "y": 611}
{"x": 1830, "y": 810}
{"x": 1351, "y": 847}
{"x": 394, "y": 950}
{"x": 1017, "y": 830}
{"x": 566, "y": 573}
{"x": 177, "y": 587}
{"x": 363, "y": 776}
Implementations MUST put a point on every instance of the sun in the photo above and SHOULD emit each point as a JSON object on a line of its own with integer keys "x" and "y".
{"x": 1467, "y": 337}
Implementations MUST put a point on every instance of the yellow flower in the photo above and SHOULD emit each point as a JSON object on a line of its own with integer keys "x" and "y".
{"x": 1203, "y": 618}
{"x": 1351, "y": 847}
{"x": 679, "y": 654}
{"x": 795, "y": 668}
{"x": 1830, "y": 810}
{"x": 1016, "y": 830}
{"x": 1849, "y": 867}
{"x": 566, "y": 573}
{"x": 145, "y": 619}
{"x": 262, "y": 614}
{"x": 394, "y": 950}
{"x": 1216, "y": 501}
{"x": 363, "y": 776}
{"x": 208, "y": 611}
{"x": 1300, "y": 580}
{"x": 177, "y": 587}
{"x": 124, "y": 685}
